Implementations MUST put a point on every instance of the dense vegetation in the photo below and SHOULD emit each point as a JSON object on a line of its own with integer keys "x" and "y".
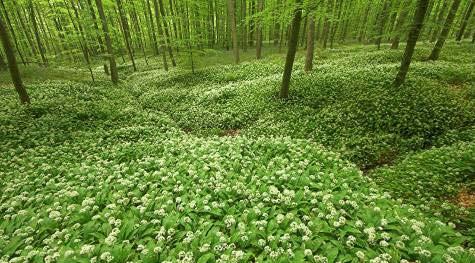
{"x": 199, "y": 149}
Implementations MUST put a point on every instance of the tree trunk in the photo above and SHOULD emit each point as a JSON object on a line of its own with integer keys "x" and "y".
{"x": 37, "y": 34}
{"x": 260, "y": 24}
{"x": 382, "y": 22}
{"x": 159, "y": 28}
{"x": 466, "y": 17}
{"x": 167, "y": 34}
{"x": 292, "y": 49}
{"x": 434, "y": 55}
{"x": 310, "y": 44}
{"x": 110, "y": 51}
{"x": 440, "y": 20}
{"x": 418, "y": 22}
{"x": 400, "y": 24}
{"x": 232, "y": 21}
{"x": 127, "y": 38}
{"x": 12, "y": 63}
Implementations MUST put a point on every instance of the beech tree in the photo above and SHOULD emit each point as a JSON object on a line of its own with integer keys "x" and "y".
{"x": 434, "y": 55}
{"x": 12, "y": 63}
{"x": 412, "y": 38}
{"x": 292, "y": 49}
{"x": 110, "y": 51}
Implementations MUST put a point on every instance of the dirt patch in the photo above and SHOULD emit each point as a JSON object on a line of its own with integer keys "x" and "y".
{"x": 231, "y": 132}
{"x": 466, "y": 198}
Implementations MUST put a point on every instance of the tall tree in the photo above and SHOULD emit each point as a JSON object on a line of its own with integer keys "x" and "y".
{"x": 434, "y": 55}
{"x": 310, "y": 43}
{"x": 37, "y": 33}
{"x": 400, "y": 23}
{"x": 167, "y": 34}
{"x": 415, "y": 30}
{"x": 12, "y": 63}
{"x": 107, "y": 37}
{"x": 160, "y": 34}
{"x": 465, "y": 19}
{"x": 232, "y": 22}
{"x": 382, "y": 22}
{"x": 127, "y": 38}
{"x": 259, "y": 25}
{"x": 292, "y": 49}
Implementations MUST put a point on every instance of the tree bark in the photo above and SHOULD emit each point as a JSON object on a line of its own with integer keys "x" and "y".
{"x": 310, "y": 44}
{"x": 434, "y": 55}
{"x": 418, "y": 22}
{"x": 232, "y": 21}
{"x": 12, "y": 63}
{"x": 167, "y": 34}
{"x": 382, "y": 22}
{"x": 401, "y": 20}
{"x": 259, "y": 26}
{"x": 292, "y": 49}
{"x": 110, "y": 51}
{"x": 37, "y": 34}
{"x": 466, "y": 17}
{"x": 126, "y": 28}
{"x": 159, "y": 28}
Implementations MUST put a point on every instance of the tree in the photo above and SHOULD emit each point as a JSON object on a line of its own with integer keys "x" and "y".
{"x": 412, "y": 38}
{"x": 400, "y": 23}
{"x": 127, "y": 38}
{"x": 110, "y": 51}
{"x": 232, "y": 22}
{"x": 37, "y": 34}
{"x": 292, "y": 49}
{"x": 382, "y": 22}
{"x": 12, "y": 63}
{"x": 434, "y": 55}
{"x": 260, "y": 4}
{"x": 465, "y": 19}
{"x": 310, "y": 43}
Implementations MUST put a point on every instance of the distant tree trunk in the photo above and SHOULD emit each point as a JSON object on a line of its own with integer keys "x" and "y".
{"x": 37, "y": 33}
{"x": 400, "y": 24}
{"x": 12, "y": 63}
{"x": 232, "y": 21}
{"x": 465, "y": 19}
{"x": 17, "y": 46}
{"x": 292, "y": 49}
{"x": 260, "y": 4}
{"x": 99, "y": 38}
{"x": 434, "y": 55}
{"x": 440, "y": 20}
{"x": 244, "y": 25}
{"x": 127, "y": 38}
{"x": 310, "y": 44}
{"x": 327, "y": 24}
{"x": 159, "y": 28}
{"x": 418, "y": 22}
{"x": 167, "y": 34}
{"x": 277, "y": 25}
{"x": 110, "y": 50}
{"x": 152, "y": 25}
{"x": 382, "y": 22}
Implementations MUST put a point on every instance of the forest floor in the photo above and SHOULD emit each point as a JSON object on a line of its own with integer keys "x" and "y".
{"x": 212, "y": 165}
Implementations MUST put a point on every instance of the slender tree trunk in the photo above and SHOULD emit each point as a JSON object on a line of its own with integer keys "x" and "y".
{"x": 292, "y": 49}
{"x": 37, "y": 34}
{"x": 414, "y": 33}
{"x": 466, "y": 17}
{"x": 440, "y": 20}
{"x": 260, "y": 24}
{"x": 400, "y": 24}
{"x": 434, "y": 55}
{"x": 127, "y": 38}
{"x": 17, "y": 46}
{"x": 310, "y": 44}
{"x": 277, "y": 24}
{"x": 382, "y": 22}
{"x": 110, "y": 50}
{"x": 159, "y": 28}
{"x": 167, "y": 34}
{"x": 12, "y": 63}
{"x": 232, "y": 22}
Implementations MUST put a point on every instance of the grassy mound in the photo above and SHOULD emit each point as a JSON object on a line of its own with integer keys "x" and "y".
{"x": 347, "y": 103}
{"x": 436, "y": 181}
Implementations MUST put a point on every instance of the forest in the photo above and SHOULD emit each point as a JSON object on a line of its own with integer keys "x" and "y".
{"x": 237, "y": 131}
